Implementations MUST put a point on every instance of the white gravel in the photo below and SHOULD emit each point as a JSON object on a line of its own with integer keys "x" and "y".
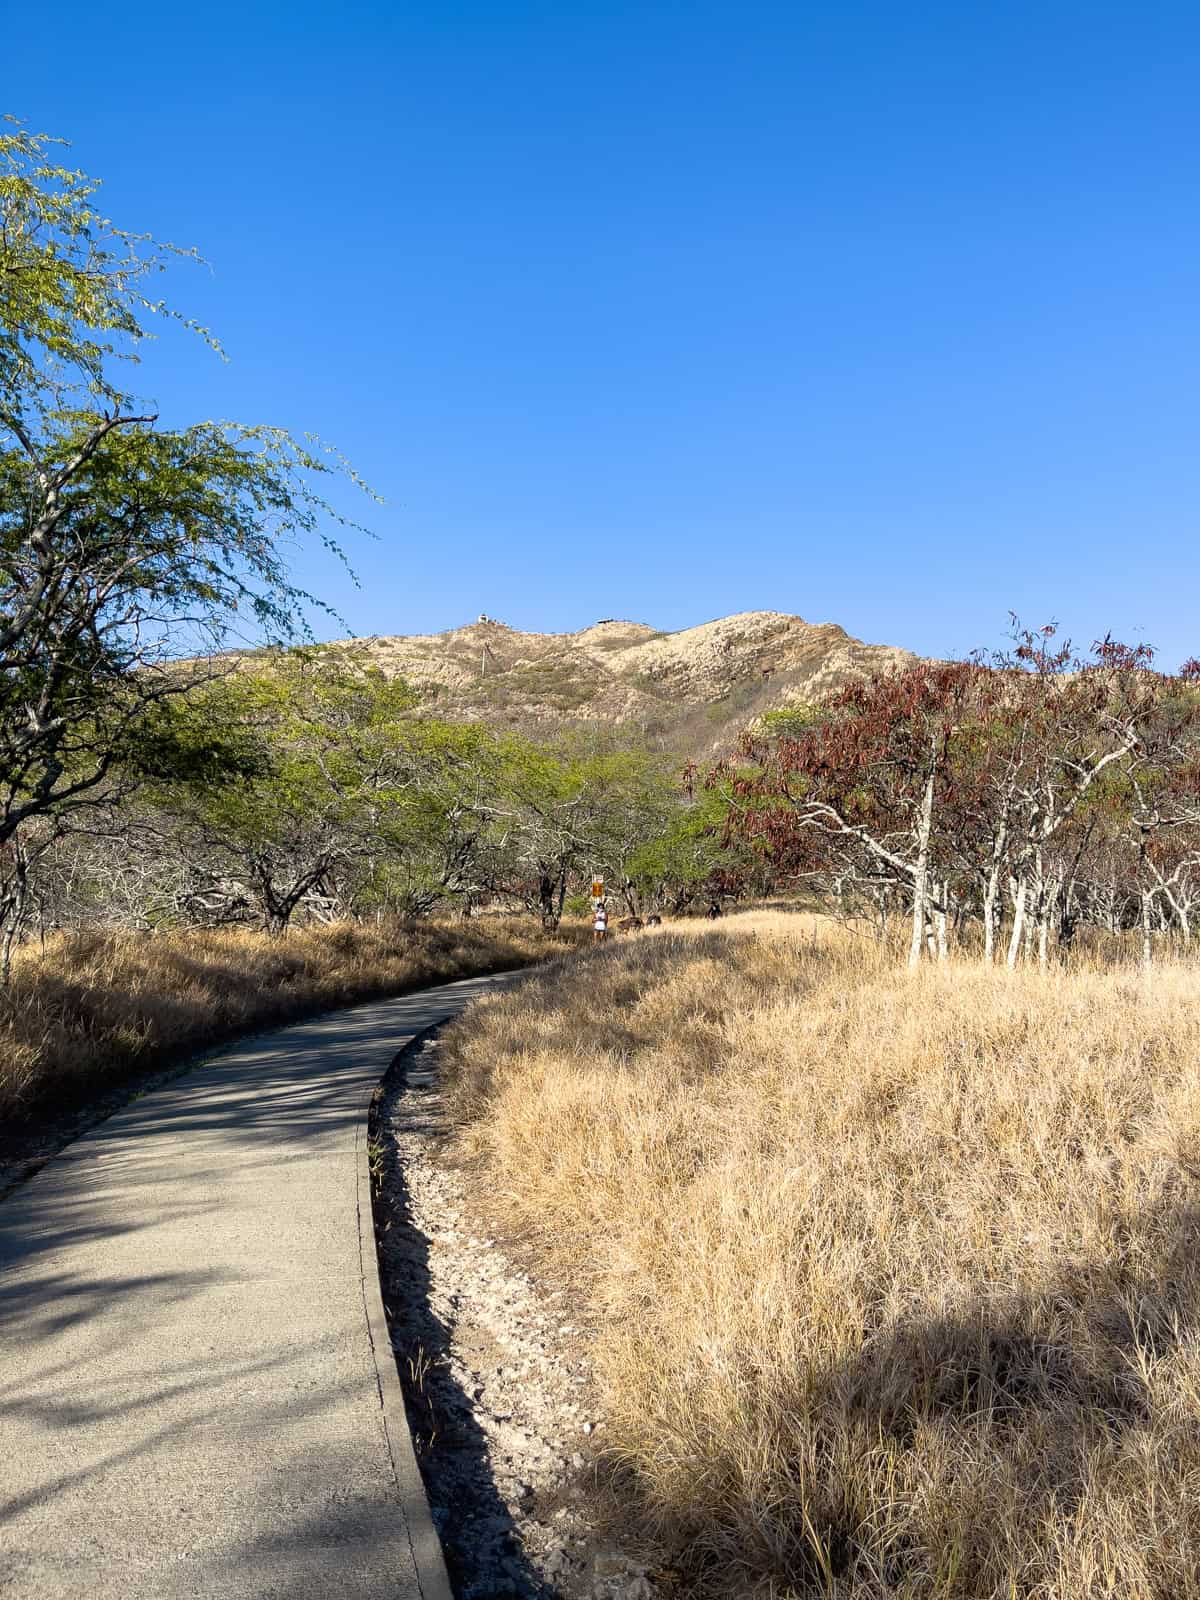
{"x": 495, "y": 1374}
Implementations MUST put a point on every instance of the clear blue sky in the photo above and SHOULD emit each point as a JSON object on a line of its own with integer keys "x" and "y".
{"x": 885, "y": 314}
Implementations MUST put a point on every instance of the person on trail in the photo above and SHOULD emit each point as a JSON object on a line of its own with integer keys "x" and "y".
{"x": 600, "y": 924}
{"x": 714, "y": 911}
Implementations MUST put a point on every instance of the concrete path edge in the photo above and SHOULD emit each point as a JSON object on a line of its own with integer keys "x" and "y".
{"x": 151, "y": 1341}
{"x": 426, "y": 1546}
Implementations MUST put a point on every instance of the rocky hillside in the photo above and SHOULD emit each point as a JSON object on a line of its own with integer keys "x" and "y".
{"x": 692, "y": 690}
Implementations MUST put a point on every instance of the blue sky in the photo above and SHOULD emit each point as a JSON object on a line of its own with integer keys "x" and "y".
{"x": 882, "y": 314}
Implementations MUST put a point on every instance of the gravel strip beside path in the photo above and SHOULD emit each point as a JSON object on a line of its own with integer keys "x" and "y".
{"x": 494, "y": 1371}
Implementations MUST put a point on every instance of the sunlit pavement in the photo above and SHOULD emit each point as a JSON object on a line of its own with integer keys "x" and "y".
{"x": 189, "y": 1403}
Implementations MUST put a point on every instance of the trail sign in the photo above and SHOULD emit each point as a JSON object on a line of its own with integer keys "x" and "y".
{"x": 597, "y": 888}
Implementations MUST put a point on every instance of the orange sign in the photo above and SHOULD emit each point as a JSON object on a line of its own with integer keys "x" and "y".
{"x": 597, "y": 888}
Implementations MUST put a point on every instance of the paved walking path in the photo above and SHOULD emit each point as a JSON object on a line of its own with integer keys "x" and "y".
{"x": 189, "y": 1399}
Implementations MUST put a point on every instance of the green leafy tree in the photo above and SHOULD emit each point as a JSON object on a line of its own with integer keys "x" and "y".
{"x": 689, "y": 857}
{"x": 122, "y": 544}
{"x": 321, "y": 774}
{"x": 436, "y": 838}
{"x": 570, "y": 807}
{"x": 74, "y": 287}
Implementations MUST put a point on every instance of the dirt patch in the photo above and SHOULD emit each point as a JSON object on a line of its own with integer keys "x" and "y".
{"x": 496, "y": 1380}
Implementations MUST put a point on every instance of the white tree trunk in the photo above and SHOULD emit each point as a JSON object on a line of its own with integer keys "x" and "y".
{"x": 1051, "y": 894}
{"x": 921, "y": 875}
{"x": 1018, "y": 927}
{"x": 918, "y": 923}
{"x": 991, "y": 898}
{"x": 989, "y": 928}
{"x": 1177, "y": 902}
{"x": 1038, "y": 924}
{"x": 1147, "y": 942}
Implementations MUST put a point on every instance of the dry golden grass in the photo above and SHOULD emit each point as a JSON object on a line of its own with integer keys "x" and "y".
{"x": 893, "y": 1278}
{"x": 96, "y": 1007}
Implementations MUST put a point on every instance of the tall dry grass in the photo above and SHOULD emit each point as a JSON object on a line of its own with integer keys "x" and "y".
{"x": 97, "y": 1007}
{"x": 893, "y": 1279}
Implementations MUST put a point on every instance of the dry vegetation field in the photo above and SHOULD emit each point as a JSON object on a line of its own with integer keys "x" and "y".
{"x": 93, "y": 1008}
{"x": 893, "y": 1279}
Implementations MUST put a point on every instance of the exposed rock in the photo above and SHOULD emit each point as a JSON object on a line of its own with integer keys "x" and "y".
{"x": 616, "y": 1577}
{"x": 693, "y": 690}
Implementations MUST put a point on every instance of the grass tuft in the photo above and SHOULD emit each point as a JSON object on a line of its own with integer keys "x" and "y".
{"x": 893, "y": 1279}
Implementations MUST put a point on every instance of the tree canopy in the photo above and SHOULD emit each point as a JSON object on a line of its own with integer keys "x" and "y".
{"x": 123, "y": 545}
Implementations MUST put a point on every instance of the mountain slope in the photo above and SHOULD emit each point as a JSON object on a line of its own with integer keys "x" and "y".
{"x": 692, "y": 690}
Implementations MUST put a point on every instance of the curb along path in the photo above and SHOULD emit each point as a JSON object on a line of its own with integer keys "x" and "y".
{"x": 190, "y": 1404}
